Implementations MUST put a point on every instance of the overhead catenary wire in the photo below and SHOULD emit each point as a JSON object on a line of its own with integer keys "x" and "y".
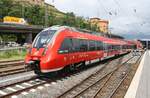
{"x": 137, "y": 27}
{"x": 105, "y": 10}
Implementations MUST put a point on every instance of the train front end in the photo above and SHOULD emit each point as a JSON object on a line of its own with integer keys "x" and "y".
{"x": 40, "y": 51}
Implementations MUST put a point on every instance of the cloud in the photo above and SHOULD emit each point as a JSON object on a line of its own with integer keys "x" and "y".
{"x": 126, "y": 15}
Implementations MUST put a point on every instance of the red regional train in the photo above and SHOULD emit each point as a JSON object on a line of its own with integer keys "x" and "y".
{"x": 58, "y": 47}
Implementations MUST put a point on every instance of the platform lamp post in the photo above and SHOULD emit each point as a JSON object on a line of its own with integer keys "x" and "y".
{"x": 109, "y": 31}
{"x": 147, "y": 45}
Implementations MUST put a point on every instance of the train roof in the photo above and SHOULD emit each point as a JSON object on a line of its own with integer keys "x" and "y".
{"x": 114, "y": 41}
{"x": 88, "y": 34}
{"x": 56, "y": 27}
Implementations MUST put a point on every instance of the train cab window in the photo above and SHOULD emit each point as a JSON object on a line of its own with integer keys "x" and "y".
{"x": 66, "y": 46}
{"x": 43, "y": 38}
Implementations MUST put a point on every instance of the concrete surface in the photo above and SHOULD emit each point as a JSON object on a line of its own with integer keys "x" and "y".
{"x": 140, "y": 85}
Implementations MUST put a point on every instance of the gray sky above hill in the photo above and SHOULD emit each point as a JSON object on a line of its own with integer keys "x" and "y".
{"x": 130, "y": 18}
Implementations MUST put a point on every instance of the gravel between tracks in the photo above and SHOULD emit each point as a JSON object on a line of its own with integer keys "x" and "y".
{"x": 121, "y": 91}
{"x": 60, "y": 86}
{"x": 6, "y": 80}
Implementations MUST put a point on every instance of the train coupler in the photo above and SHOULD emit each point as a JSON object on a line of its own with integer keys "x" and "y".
{"x": 30, "y": 65}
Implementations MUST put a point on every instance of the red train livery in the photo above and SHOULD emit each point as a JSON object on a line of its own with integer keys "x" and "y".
{"x": 58, "y": 47}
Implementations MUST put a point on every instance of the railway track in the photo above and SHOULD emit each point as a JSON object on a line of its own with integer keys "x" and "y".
{"x": 11, "y": 67}
{"x": 6, "y": 61}
{"x": 20, "y": 87}
{"x": 4, "y": 64}
{"x": 101, "y": 84}
{"x": 35, "y": 82}
{"x": 118, "y": 87}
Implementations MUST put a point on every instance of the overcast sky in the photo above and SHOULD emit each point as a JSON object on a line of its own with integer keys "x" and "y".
{"x": 129, "y": 18}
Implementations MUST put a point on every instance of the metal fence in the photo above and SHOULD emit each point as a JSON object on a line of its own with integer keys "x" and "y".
{"x": 12, "y": 48}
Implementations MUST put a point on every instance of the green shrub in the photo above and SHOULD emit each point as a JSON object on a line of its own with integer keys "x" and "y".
{"x": 12, "y": 54}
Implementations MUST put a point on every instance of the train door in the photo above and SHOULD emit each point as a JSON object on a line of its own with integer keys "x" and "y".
{"x": 105, "y": 50}
{"x": 66, "y": 49}
{"x": 121, "y": 49}
{"x": 79, "y": 49}
{"x": 75, "y": 50}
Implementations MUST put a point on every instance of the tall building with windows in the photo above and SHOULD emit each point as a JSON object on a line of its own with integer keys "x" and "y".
{"x": 100, "y": 23}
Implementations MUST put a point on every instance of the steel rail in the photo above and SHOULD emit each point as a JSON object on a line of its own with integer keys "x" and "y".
{"x": 112, "y": 94}
{"x": 67, "y": 92}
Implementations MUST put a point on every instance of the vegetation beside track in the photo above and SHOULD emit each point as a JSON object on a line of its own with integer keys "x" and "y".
{"x": 12, "y": 54}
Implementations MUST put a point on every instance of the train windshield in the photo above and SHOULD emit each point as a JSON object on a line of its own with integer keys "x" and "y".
{"x": 43, "y": 38}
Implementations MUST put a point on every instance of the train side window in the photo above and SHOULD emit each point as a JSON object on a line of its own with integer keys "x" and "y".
{"x": 76, "y": 45}
{"x": 99, "y": 45}
{"x": 117, "y": 47}
{"x": 95, "y": 45}
{"x": 109, "y": 47}
{"x": 113, "y": 47}
{"x": 104, "y": 46}
{"x": 83, "y": 45}
{"x": 66, "y": 46}
{"x": 88, "y": 45}
{"x": 92, "y": 45}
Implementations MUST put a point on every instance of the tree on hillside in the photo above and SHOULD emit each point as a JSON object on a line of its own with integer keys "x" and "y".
{"x": 5, "y": 7}
{"x": 15, "y": 10}
{"x": 51, "y": 19}
{"x": 7, "y": 38}
{"x": 69, "y": 19}
{"x": 34, "y": 15}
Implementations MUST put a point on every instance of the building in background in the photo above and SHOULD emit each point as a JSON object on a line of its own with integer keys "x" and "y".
{"x": 34, "y": 2}
{"x": 145, "y": 43}
{"x": 101, "y": 24}
{"x": 37, "y": 2}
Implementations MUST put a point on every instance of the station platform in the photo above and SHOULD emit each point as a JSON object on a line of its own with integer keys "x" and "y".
{"x": 140, "y": 85}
